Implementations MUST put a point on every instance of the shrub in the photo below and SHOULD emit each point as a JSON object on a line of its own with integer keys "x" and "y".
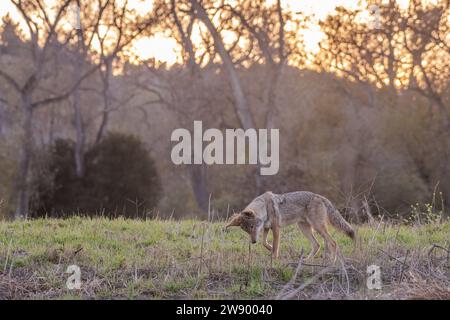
{"x": 120, "y": 180}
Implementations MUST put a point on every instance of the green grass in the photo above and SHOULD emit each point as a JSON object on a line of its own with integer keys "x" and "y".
{"x": 158, "y": 259}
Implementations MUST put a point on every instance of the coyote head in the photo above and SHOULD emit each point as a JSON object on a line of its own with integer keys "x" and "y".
{"x": 248, "y": 221}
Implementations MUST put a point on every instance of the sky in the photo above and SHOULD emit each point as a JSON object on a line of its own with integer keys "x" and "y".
{"x": 164, "y": 49}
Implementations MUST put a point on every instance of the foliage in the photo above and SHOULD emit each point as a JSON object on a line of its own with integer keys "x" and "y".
{"x": 120, "y": 180}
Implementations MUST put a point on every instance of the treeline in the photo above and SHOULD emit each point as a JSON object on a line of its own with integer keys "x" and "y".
{"x": 86, "y": 129}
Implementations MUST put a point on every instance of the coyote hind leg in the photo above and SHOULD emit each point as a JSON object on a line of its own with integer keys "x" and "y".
{"x": 330, "y": 244}
{"x": 318, "y": 220}
{"x": 315, "y": 246}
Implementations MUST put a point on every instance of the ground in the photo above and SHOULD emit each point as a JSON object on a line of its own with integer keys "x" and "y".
{"x": 167, "y": 259}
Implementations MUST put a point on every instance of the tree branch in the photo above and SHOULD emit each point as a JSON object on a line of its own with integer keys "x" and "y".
{"x": 10, "y": 80}
{"x": 67, "y": 94}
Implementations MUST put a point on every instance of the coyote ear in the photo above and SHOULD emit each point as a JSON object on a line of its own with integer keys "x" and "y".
{"x": 236, "y": 220}
{"x": 249, "y": 213}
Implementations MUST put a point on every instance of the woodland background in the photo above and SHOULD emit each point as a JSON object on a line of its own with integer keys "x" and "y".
{"x": 85, "y": 123}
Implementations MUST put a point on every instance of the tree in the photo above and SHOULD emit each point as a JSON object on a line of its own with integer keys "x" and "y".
{"x": 424, "y": 32}
{"x": 42, "y": 32}
{"x": 120, "y": 180}
{"x": 264, "y": 26}
{"x": 123, "y": 25}
{"x": 259, "y": 31}
{"x": 240, "y": 100}
{"x": 106, "y": 29}
{"x": 402, "y": 53}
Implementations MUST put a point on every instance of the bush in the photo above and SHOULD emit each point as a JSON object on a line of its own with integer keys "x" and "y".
{"x": 120, "y": 180}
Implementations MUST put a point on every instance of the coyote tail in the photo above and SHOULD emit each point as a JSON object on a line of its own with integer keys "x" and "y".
{"x": 338, "y": 221}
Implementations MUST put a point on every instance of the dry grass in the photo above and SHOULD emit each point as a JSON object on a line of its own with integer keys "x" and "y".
{"x": 156, "y": 259}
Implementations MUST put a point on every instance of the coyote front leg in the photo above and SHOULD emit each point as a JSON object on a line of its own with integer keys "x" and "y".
{"x": 276, "y": 242}
{"x": 264, "y": 239}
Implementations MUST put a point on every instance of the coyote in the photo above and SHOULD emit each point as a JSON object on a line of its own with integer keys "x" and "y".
{"x": 309, "y": 210}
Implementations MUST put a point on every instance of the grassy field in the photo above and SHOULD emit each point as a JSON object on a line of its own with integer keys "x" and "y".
{"x": 165, "y": 259}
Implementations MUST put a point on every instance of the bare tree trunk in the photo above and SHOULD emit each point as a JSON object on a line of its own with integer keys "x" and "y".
{"x": 79, "y": 124}
{"x": 80, "y": 135}
{"x": 22, "y": 187}
{"x": 106, "y": 77}
{"x": 51, "y": 129}
{"x": 274, "y": 77}
{"x": 275, "y": 70}
{"x": 240, "y": 100}
{"x": 198, "y": 173}
{"x": 271, "y": 108}
{"x": 390, "y": 67}
{"x": 199, "y": 186}
{"x": 2, "y": 116}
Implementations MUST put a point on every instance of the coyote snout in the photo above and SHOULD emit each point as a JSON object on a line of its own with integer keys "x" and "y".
{"x": 312, "y": 212}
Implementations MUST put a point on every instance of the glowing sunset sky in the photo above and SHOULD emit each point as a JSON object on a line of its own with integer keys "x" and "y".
{"x": 165, "y": 49}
